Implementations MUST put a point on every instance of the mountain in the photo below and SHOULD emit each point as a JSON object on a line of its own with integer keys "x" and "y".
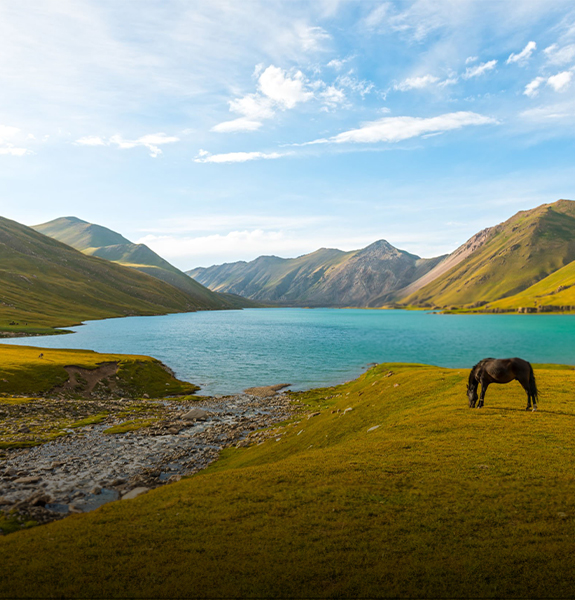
{"x": 45, "y": 283}
{"x": 501, "y": 261}
{"x": 327, "y": 277}
{"x": 102, "y": 242}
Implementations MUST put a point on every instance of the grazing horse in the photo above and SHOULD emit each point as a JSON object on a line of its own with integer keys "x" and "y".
{"x": 501, "y": 370}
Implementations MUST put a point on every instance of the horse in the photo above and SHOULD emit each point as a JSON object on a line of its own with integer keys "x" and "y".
{"x": 501, "y": 370}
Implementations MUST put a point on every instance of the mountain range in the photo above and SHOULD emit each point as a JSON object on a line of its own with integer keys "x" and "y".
{"x": 504, "y": 267}
{"x": 326, "y": 277}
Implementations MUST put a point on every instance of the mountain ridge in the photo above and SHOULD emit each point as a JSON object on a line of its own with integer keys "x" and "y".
{"x": 325, "y": 277}
{"x": 102, "y": 242}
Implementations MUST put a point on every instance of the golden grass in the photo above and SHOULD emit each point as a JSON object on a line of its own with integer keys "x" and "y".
{"x": 22, "y": 371}
{"x": 437, "y": 501}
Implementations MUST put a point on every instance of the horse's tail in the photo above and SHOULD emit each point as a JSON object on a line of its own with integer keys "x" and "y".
{"x": 533, "y": 386}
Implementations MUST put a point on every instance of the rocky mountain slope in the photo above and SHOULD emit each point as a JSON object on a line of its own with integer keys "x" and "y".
{"x": 327, "y": 277}
{"x": 102, "y": 242}
{"x": 503, "y": 260}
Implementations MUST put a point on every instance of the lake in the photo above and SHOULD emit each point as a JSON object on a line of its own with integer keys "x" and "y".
{"x": 228, "y": 351}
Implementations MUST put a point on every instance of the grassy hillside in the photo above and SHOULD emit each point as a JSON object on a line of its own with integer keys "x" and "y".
{"x": 80, "y": 234}
{"x": 556, "y": 290}
{"x": 45, "y": 283}
{"x": 409, "y": 494}
{"x": 102, "y": 242}
{"x": 22, "y": 371}
{"x": 326, "y": 277}
{"x": 516, "y": 255}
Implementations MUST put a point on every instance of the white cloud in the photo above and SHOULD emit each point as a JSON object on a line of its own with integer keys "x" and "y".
{"x": 471, "y": 59}
{"x": 448, "y": 81}
{"x": 333, "y": 96}
{"x": 253, "y": 106}
{"x": 312, "y": 39}
{"x": 151, "y": 141}
{"x": 532, "y": 88}
{"x": 338, "y": 63}
{"x": 479, "y": 69}
{"x": 277, "y": 89}
{"x": 361, "y": 87}
{"x": 236, "y": 157}
{"x": 396, "y": 129}
{"x": 416, "y": 83}
{"x": 9, "y": 137}
{"x": 90, "y": 140}
{"x": 523, "y": 56}
{"x": 557, "y": 55}
{"x": 561, "y": 81}
{"x": 11, "y": 150}
{"x": 286, "y": 91}
{"x": 560, "y": 112}
{"x": 241, "y": 124}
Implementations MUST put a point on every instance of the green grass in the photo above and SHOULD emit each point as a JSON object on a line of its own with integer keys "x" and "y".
{"x": 93, "y": 420}
{"x": 22, "y": 371}
{"x": 557, "y": 289}
{"x": 131, "y": 425}
{"x": 437, "y": 501}
{"x": 520, "y": 252}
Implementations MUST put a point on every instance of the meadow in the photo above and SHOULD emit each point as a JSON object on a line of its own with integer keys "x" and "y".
{"x": 395, "y": 489}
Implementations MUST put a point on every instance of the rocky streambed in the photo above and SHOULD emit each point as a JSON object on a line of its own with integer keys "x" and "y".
{"x": 88, "y": 466}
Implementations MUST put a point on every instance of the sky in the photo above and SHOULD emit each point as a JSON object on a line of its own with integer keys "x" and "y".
{"x": 220, "y": 131}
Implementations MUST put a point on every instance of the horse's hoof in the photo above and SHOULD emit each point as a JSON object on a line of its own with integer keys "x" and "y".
{"x": 528, "y": 408}
{"x": 534, "y": 409}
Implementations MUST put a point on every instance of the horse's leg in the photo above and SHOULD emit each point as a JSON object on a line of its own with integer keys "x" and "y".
{"x": 525, "y": 386}
{"x": 484, "y": 385}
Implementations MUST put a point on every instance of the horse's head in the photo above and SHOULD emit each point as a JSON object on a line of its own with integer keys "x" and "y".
{"x": 472, "y": 394}
{"x": 472, "y": 385}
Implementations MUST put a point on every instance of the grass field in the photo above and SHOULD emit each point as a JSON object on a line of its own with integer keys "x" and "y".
{"x": 22, "y": 371}
{"x": 409, "y": 494}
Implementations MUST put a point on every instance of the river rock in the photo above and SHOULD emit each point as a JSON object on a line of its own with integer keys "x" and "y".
{"x": 196, "y": 414}
{"x": 27, "y": 480}
{"x": 135, "y": 493}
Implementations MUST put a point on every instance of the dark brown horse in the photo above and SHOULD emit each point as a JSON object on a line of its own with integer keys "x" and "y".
{"x": 501, "y": 370}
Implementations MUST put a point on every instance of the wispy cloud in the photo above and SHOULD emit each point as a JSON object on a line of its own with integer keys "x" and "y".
{"x": 479, "y": 69}
{"x": 151, "y": 141}
{"x": 532, "y": 88}
{"x": 416, "y": 83}
{"x": 397, "y": 129}
{"x": 523, "y": 56}
{"x": 237, "y": 157}
{"x": 560, "y": 55}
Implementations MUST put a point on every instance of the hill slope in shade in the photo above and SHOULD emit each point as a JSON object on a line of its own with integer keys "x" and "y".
{"x": 505, "y": 259}
{"x": 409, "y": 494}
{"x": 46, "y": 283}
{"x": 327, "y": 277}
{"x": 102, "y": 242}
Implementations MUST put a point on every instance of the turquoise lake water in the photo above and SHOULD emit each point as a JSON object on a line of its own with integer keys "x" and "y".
{"x": 228, "y": 351}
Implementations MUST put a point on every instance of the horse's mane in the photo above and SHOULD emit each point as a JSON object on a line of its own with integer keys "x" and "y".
{"x": 472, "y": 379}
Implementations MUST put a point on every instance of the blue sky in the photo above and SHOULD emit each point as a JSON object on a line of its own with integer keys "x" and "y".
{"x": 218, "y": 131}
